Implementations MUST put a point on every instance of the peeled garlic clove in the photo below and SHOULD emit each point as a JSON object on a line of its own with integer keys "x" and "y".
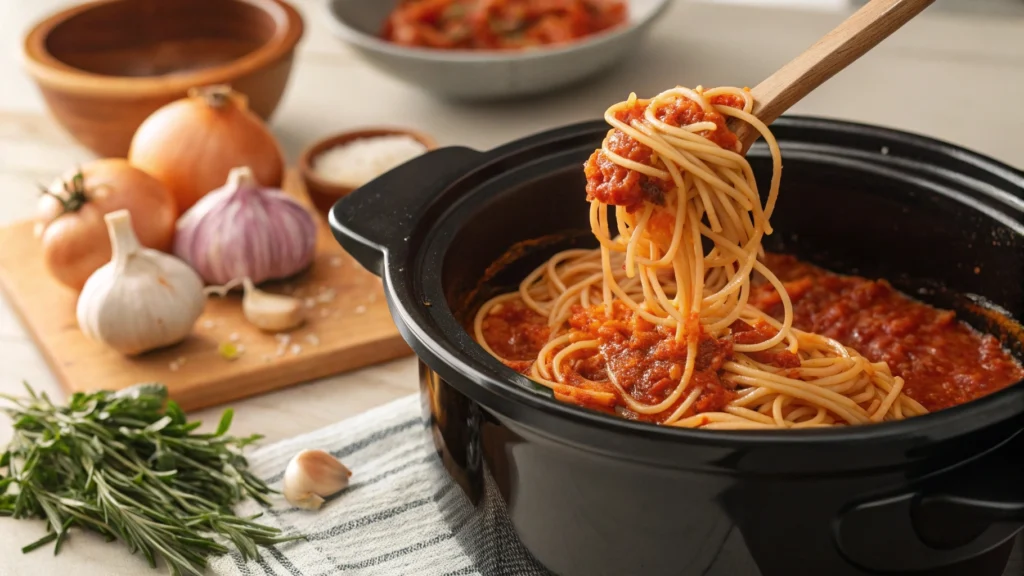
{"x": 271, "y": 312}
{"x": 311, "y": 476}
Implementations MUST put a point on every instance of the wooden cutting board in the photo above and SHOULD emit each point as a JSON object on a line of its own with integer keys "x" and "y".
{"x": 347, "y": 326}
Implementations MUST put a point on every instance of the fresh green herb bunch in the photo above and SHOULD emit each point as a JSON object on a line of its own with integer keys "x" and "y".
{"x": 128, "y": 465}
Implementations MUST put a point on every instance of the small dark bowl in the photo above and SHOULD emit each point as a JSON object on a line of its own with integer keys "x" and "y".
{"x": 325, "y": 193}
{"x": 591, "y": 495}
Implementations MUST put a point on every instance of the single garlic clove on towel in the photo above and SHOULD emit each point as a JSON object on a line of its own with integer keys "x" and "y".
{"x": 311, "y": 476}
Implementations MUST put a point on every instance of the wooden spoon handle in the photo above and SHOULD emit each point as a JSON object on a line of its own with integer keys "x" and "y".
{"x": 874, "y": 22}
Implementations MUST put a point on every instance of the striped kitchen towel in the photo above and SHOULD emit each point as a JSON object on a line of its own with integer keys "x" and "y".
{"x": 401, "y": 515}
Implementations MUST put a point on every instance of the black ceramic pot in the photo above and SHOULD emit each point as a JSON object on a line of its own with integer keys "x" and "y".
{"x": 591, "y": 495}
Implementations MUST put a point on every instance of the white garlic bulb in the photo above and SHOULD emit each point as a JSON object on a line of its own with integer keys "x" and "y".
{"x": 311, "y": 476}
{"x": 142, "y": 299}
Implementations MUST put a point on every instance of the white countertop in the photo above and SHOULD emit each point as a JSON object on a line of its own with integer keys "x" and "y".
{"x": 952, "y": 75}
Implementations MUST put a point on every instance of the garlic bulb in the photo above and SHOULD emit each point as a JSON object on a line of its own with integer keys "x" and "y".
{"x": 142, "y": 299}
{"x": 243, "y": 230}
{"x": 268, "y": 312}
{"x": 311, "y": 476}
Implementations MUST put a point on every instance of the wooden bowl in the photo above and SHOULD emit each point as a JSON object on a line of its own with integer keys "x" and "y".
{"x": 324, "y": 193}
{"x": 104, "y": 67}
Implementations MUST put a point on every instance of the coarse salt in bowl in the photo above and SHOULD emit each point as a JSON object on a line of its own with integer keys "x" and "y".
{"x": 356, "y": 162}
{"x": 337, "y": 165}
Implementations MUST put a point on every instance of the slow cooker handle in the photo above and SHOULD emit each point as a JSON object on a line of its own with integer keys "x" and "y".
{"x": 381, "y": 215}
{"x": 951, "y": 518}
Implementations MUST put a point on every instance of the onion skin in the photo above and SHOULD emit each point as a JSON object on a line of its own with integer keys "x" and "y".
{"x": 192, "y": 144}
{"x": 76, "y": 244}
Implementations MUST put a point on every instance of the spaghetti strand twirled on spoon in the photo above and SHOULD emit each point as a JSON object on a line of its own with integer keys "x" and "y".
{"x": 655, "y": 324}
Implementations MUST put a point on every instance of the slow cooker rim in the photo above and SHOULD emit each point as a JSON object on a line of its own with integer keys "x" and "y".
{"x": 956, "y": 421}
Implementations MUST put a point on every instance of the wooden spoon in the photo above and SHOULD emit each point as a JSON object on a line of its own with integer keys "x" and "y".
{"x": 874, "y": 22}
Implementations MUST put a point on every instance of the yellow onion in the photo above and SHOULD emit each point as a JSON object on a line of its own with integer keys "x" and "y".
{"x": 191, "y": 144}
{"x": 70, "y": 225}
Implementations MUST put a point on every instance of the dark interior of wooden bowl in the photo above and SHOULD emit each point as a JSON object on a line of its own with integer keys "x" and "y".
{"x": 142, "y": 38}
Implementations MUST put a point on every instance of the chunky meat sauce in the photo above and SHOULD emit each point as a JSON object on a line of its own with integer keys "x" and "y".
{"x": 943, "y": 361}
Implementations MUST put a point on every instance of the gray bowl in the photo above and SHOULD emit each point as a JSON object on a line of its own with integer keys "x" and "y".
{"x": 487, "y": 75}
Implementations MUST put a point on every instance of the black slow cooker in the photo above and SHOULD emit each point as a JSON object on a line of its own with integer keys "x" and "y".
{"x": 590, "y": 495}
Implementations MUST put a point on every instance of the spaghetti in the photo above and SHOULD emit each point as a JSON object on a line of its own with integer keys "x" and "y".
{"x": 655, "y": 324}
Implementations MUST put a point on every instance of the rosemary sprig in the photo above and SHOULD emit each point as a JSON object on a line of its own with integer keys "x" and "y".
{"x": 130, "y": 466}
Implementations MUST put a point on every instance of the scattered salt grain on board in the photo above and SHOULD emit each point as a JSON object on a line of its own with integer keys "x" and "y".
{"x": 282, "y": 343}
{"x": 357, "y": 162}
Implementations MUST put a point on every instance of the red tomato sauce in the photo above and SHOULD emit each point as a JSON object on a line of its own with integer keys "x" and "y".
{"x": 516, "y": 333}
{"x": 943, "y": 362}
{"x": 499, "y": 24}
{"x": 743, "y": 333}
{"x": 612, "y": 184}
{"x": 645, "y": 358}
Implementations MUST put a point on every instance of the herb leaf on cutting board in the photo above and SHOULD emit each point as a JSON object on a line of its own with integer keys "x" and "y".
{"x": 130, "y": 466}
